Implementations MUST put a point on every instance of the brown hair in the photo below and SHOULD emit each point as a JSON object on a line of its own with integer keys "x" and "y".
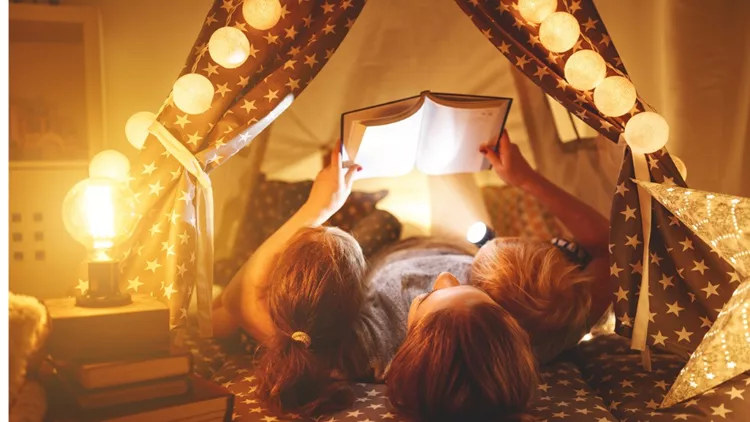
{"x": 467, "y": 363}
{"x": 535, "y": 282}
{"x": 317, "y": 289}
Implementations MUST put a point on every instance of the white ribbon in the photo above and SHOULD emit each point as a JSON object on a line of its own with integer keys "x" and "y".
{"x": 640, "y": 325}
{"x": 204, "y": 226}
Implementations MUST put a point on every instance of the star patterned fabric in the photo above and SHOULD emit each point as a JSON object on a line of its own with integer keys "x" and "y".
{"x": 281, "y": 63}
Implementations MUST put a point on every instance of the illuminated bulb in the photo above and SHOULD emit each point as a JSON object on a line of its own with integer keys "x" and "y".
{"x": 261, "y": 14}
{"x": 681, "y": 167}
{"x": 614, "y": 96}
{"x": 100, "y": 214}
{"x": 110, "y": 164}
{"x": 585, "y": 70}
{"x": 559, "y": 32}
{"x": 229, "y": 47}
{"x": 535, "y": 11}
{"x": 136, "y": 128}
{"x": 476, "y": 232}
{"x": 587, "y": 337}
{"x": 646, "y": 132}
{"x": 193, "y": 93}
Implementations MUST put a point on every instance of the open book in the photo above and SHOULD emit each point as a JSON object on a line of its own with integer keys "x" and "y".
{"x": 436, "y": 133}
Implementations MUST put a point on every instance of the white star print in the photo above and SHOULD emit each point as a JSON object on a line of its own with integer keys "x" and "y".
{"x": 329, "y": 29}
{"x": 83, "y": 286}
{"x": 666, "y": 281}
{"x": 148, "y": 169}
{"x": 504, "y": 47}
{"x": 711, "y": 289}
{"x": 637, "y": 267}
{"x": 272, "y": 39}
{"x": 541, "y": 71}
{"x": 614, "y": 270}
{"x": 621, "y": 294}
{"x": 621, "y": 189}
{"x": 659, "y": 338}
{"x": 683, "y": 335}
{"x": 182, "y": 121}
{"x": 181, "y": 269}
{"x": 272, "y": 95}
{"x": 700, "y": 266}
{"x": 628, "y": 213}
{"x": 626, "y": 321}
{"x": 154, "y": 229}
{"x": 674, "y": 309}
{"x": 522, "y": 61}
{"x": 686, "y": 244}
{"x": 735, "y": 394}
{"x": 673, "y": 221}
{"x": 720, "y": 411}
{"x": 169, "y": 290}
{"x": 152, "y": 266}
{"x": 656, "y": 259}
{"x": 244, "y": 80}
{"x": 134, "y": 284}
{"x": 211, "y": 69}
{"x": 310, "y": 60}
{"x": 632, "y": 241}
{"x": 155, "y": 189}
{"x": 223, "y": 89}
{"x": 290, "y": 32}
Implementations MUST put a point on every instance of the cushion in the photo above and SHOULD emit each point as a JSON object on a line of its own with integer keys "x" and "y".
{"x": 272, "y": 204}
{"x": 515, "y": 213}
{"x": 28, "y": 326}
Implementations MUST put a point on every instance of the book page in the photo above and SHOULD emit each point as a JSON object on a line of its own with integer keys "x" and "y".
{"x": 352, "y": 131}
{"x": 451, "y": 137}
{"x": 389, "y": 150}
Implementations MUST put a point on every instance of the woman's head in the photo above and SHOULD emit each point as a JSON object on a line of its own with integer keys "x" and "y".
{"x": 534, "y": 281}
{"x": 314, "y": 297}
{"x": 464, "y": 358}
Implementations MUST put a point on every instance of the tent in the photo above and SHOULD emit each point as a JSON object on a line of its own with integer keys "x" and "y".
{"x": 176, "y": 196}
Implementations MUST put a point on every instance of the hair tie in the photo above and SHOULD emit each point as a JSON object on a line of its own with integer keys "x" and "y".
{"x": 302, "y": 337}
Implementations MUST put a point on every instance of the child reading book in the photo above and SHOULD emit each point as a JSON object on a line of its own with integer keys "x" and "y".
{"x": 436, "y": 133}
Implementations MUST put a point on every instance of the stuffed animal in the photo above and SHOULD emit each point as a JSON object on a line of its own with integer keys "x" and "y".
{"x": 28, "y": 328}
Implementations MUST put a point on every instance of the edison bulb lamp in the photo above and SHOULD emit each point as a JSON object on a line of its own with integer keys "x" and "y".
{"x": 193, "y": 93}
{"x": 615, "y": 96}
{"x": 136, "y": 128}
{"x": 646, "y": 132}
{"x": 229, "y": 47}
{"x": 479, "y": 234}
{"x": 110, "y": 164}
{"x": 559, "y": 32}
{"x": 585, "y": 70}
{"x": 535, "y": 11}
{"x": 261, "y": 14}
{"x": 100, "y": 213}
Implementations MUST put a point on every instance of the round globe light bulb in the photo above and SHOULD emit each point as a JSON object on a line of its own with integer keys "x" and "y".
{"x": 110, "y": 164}
{"x": 681, "y": 167}
{"x": 229, "y": 47}
{"x": 535, "y": 11}
{"x": 261, "y": 14}
{"x": 646, "y": 132}
{"x": 100, "y": 213}
{"x": 585, "y": 70}
{"x": 614, "y": 96}
{"x": 136, "y": 128}
{"x": 559, "y": 32}
{"x": 193, "y": 93}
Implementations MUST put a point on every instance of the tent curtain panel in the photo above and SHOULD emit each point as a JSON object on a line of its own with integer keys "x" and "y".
{"x": 171, "y": 255}
{"x": 670, "y": 291}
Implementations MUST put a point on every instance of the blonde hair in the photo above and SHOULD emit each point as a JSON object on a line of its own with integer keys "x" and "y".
{"x": 316, "y": 293}
{"x": 535, "y": 282}
{"x": 472, "y": 364}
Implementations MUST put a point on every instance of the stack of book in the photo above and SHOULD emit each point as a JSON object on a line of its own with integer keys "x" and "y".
{"x": 116, "y": 364}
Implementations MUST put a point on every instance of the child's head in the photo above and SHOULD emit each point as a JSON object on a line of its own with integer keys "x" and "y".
{"x": 534, "y": 281}
{"x": 464, "y": 358}
{"x": 315, "y": 294}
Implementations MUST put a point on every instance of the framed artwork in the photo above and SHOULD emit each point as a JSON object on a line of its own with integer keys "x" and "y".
{"x": 55, "y": 96}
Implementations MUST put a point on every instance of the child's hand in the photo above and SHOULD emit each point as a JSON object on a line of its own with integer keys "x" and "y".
{"x": 509, "y": 164}
{"x": 332, "y": 186}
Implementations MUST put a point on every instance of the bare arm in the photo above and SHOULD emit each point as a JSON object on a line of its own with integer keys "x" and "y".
{"x": 242, "y": 303}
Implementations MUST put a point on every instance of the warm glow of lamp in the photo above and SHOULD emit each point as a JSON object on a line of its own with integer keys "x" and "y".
{"x": 136, "y": 128}
{"x": 681, "y": 167}
{"x": 100, "y": 214}
{"x": 535, "y": 11}
{"x": 229, "y": 47}
{"x": 614, "y": 96}
{"x": 110, "y": 164}
{"x": 193, "y": 93}
{"x": 646, "y": 132}
{"x": 261, "y": 14}
{"x": 585, "y": 70}
{"x": 559, "y": 32}
{"x": 479, "y": 234}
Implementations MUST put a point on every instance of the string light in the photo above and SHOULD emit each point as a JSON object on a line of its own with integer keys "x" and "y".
{"x": 229, "y": 47}
{"x": 261, "y": 14}
{"x": 559, "y": 32}
{"x": 585, "y": 70}
{"x": 535, "y": 11}
{"x": 614, "y": 96}
{"x": 193, "y": 93}
{"x": 645, "y": 132}
{"x": 136, "y": 128}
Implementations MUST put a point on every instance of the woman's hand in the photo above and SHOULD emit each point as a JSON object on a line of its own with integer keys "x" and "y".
{"x": 332, "y": 186}
{"x": 509, "y": 164}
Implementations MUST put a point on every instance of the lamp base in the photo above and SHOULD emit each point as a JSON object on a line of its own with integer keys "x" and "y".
{"x": 115, "y": 299}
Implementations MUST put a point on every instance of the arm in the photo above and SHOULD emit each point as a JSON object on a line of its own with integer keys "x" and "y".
{"x": 242, "y": 302}
{"x": 589, "y": 228}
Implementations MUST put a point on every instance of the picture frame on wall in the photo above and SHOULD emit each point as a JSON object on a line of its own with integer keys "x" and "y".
{"x": 55, "y": 97}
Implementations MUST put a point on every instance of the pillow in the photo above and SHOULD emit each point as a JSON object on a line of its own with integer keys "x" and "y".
{"x": 272, "y": 204}
{"x": 515, "y": 213}
{"x": 28, "y": 327}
